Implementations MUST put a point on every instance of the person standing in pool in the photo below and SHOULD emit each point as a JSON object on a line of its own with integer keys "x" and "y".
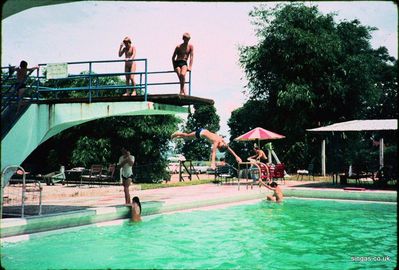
{"x": 277, "y": 194}
{"x": 216, "y": 141}
{"x": 129, "y": 50}
{"x": 135, "y": 210}
{"x": 180, "y": 57}
{"x": 126, "y": 162}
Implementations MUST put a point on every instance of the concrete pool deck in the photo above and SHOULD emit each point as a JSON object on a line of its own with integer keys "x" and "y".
{"x": 69, "y": 206}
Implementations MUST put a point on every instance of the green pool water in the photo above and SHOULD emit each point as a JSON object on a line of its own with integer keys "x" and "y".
{"x": 297, "y": 234}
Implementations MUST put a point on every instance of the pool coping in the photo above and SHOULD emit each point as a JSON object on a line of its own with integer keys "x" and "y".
{"x": 16, "y": 229}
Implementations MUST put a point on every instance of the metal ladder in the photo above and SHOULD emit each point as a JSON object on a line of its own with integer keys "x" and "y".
{"x": 5, "y": 180}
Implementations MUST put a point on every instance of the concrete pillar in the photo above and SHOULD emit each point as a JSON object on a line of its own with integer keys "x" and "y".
{"x": 381, "y": 153}
{"x": 323, "y": 158}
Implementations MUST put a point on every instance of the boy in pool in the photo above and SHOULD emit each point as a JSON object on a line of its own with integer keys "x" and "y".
{"x": 216, "y": 140}
{"x": 136, "y": 209}
{"x": 278, "y": 193}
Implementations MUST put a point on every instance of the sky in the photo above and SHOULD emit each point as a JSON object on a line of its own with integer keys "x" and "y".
{"x": 93, "y": 30}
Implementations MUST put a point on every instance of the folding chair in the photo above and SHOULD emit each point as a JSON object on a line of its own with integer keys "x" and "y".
{"x": 94, "y": 174}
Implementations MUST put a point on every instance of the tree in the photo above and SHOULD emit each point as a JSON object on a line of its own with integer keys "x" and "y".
{"x": 309, "y": 71}
{"x": 83, "y": 153}
{"x": 204, "y": 116}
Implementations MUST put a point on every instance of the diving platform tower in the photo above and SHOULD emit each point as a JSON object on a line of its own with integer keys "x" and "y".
{"x": 45, "y": 114}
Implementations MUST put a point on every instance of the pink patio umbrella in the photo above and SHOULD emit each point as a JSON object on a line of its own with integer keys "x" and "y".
{"x": 259, "y": 134}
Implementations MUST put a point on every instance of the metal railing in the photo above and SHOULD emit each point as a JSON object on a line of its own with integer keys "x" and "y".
{"x": 89, "y": 83}
{"x": 8, "y": 83}
{"x": 36, "y": 187}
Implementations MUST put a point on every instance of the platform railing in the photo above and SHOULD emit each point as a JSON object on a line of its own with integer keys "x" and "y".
{"x": 90, "y": 82}
{"x": 8, "y": 92}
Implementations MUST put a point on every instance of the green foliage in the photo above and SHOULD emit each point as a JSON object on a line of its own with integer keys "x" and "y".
{"x": 308, "y": 71}
{"x": 204, "y": 116}
{"x": 251, "y": 115}
{"x": 90, "y": 151}
{"x": 53, "y": 161}
{"x": 83, "y": 81}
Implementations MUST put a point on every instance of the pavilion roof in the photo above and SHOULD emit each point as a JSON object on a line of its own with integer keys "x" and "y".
{"x": 360, "y": 125}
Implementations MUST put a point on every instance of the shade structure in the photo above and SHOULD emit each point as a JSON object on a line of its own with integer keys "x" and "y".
{"x": 259, "y": 134}
{"x": 357, "y": 125}
{"x": 360, "y": 125}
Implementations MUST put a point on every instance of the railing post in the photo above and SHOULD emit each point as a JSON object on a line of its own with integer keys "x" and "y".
{"x": 189, "y": 83}
{"x": 90, "y": 82}
{"x": 37, "y": 83}
{"x": 145, "y": 80}
{"x": 141, "y": 82}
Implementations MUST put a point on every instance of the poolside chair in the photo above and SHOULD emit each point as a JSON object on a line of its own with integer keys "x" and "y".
{"x": 279, "y": 171}
{"x": 309, "y": 172}
{"x": 109, "y": 174}
{"x": 94, "y": 174}
{"x": 224, "y": 172}
{"x": 383, "y": 176}
{"x": 54, "y": 177}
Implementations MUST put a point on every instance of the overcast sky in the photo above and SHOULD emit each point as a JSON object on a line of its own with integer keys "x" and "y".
{"x": 93, "y": 31}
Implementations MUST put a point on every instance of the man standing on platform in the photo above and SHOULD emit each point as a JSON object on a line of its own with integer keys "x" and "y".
{"x": 129, "y": 50}
{"x": 179, "y": 60}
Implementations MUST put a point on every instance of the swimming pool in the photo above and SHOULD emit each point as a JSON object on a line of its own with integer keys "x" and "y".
{"x": 297, "y": 234}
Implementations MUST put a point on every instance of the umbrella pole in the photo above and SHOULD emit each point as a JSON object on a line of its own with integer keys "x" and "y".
{"x": 269, "y": 154}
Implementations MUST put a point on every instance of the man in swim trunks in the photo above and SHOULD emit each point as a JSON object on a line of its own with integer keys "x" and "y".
{"x": 22, "y": 75}
{"x": 129, "y": 50}
{"x": 216, "y": 140}
{"x": 180, "y": 57}
{"x": 277, "y": 194}
{"x": 126, "y": 162}
{"x": 260, "y": 156}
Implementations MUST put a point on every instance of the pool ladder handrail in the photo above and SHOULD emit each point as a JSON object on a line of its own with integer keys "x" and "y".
{"x": 250, "y": 165}
{"x": 13, "y": 169}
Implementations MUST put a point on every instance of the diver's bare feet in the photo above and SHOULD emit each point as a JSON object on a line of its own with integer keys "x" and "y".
{"x": 134, "y": 93}
{"x": 126, "y": 94}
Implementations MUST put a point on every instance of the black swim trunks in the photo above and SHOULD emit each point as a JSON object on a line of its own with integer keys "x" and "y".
{"x": 19, "y": 85}
{"x": 198, "y": 133}
{"x": 125, "y": 178}
{"x": 179, "y": 63}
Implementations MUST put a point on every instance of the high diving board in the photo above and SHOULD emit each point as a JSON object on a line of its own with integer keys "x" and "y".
{"x": 171, "y": 99}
